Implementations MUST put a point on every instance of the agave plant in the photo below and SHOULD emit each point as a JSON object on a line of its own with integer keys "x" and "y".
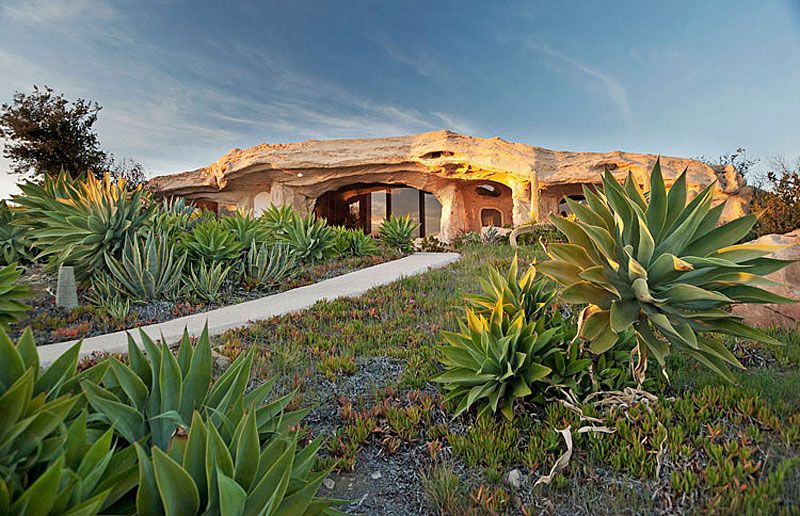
{"x": 660, "y": 266}
{"x": 15, "y": 246}
{"x": 205, "y": 282}
{"x": 354, "y": 242}
{"x": 276, "y": 219}
{"x": 516, "y": 293}
{"x": 492, "y": 362}
{"x": 206, "y": 473}
{"x": 148, "y": 269}
{"x": 11, "y": 295}
{"x": 398, "y": 232}
{"x": 79, "y": 222}
{"x": 158, "y": 392}
{"x": 174, "y": 218}
{"x": 210, "y": 240}
{"x": 309, "y": 238}
{"x": 266, "y": 266}
{"x": 246, "y": 228}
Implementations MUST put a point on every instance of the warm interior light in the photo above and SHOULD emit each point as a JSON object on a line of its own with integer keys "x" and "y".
{"x": 299, "y": 174}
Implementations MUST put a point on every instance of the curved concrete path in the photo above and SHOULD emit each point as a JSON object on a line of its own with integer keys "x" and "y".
{"x": 234, "y": 316}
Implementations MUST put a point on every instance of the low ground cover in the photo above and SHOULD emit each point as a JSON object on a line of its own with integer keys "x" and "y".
{"x": 363, "y": 366}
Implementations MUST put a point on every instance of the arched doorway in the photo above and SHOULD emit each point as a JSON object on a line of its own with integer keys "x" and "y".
{"x": 367, "y": 205}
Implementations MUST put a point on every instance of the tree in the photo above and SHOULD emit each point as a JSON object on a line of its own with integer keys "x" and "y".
{"x": 777, "y": 200}
{"x": 126, "y": 168}
{"x": 47, "y": 133}
{"x": 737, "y": 158}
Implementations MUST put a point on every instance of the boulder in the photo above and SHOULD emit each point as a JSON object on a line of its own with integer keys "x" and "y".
{"x": 789, "y": 280}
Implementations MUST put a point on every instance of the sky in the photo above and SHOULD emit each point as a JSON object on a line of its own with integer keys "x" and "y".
{"x": 183, "y": 82}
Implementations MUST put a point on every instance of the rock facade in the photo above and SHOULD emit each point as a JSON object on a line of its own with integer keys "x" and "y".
{"x": 532, "y": 181}
{"x": 788, "y": 279}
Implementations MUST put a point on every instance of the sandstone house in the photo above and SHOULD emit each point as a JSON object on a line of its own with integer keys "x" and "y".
{"x": 449, "y": 182}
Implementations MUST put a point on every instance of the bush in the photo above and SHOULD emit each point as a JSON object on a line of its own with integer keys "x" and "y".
{"x": 11, "y": 295}
{"x": 276, "y": 220}
{"x": 15, "y": 246}
{"x": 174, "y": 218}
{"x": 205, "y": 282}
{"x": 266, "y": 266}
{"x": 246, "y": 228}
{"x": 659, "y": 266}
{"x": 148, "y": 270}
{"x": 309, "y": 238}
{"x": 210, "y": 240}
{"x": 778, "y": 204}
{"x": 398, "y": 232}
{"x": 354, "y": 242}
{"x": 79, "y": 222}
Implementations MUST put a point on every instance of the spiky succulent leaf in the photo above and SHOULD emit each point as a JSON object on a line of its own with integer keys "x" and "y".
{"x": 398, "y": 231}
{"x": 149, "y": 269}
{"x": 310, "y": 239}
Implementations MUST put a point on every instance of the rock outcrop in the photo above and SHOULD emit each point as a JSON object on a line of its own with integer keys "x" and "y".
{"x": 298, "y": 173}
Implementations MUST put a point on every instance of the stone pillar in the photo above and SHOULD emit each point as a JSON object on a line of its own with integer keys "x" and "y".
{"x": 66, "y": 291}
{"x": 454, "y": 213}
{"x": 521, "y": 199}
{"x": 286, "y": 195}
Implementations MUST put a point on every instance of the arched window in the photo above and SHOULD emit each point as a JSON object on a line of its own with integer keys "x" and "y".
{"x": 491, "y": 217}
{"x": 487, "y": 190}
{"x": 261, "y": 202}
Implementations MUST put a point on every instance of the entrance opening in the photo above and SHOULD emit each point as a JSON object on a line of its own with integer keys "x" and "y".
{"x": 491, "y": 217}
{"x": 366, "y": 206}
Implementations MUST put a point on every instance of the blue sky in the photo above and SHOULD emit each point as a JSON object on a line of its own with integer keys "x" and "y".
{"x": 182, "y": 82}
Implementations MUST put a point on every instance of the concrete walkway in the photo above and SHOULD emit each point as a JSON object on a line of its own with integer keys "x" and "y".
{"x": 234, "y": 316}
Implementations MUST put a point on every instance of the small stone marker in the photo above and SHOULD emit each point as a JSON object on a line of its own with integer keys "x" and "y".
{"x": 66, "y": 291}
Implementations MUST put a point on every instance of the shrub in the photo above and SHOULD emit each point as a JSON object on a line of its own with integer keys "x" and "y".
{"x": 205, "y": 282}
{"x": 309, "y": 238}
{"x": 246, "y": 228}
{"x": 778, "y": 205}
{"x": 210, "y": 240}
{"x": 397, "y": 232}
{"x": 245, "y": 474}
{"x": 266, "y": 266}
{"x": 158, "y": 392}
{"x": 492, "y": 362}
{"x": 277, "y": 218}
{"x": 148, "y": 269}
{"x": 79, "y": 222}
{"x": 174, "y": 218}
{"x": 354, "y": 242}
{"x": 15, "y": 246}
{"x": 11, "y": 294}
{"x": 659, "y": 266}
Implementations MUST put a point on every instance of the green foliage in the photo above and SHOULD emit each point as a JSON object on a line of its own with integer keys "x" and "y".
{"x": 266, "y": 266}
{"x": 276, "y": 219}
{"x": 397, "y": 232}
{"x": 310, "y": 239}
{"x": 515, "y": 293}
{"x": 79, "y": 222}
{"x": 242, "y": 474}
{"x": 205, "y": 282}
{"x": 494, "y": 361}
{"x": 148, "y": 269}
{"x": 155, "y": 394}
{"x": 354, "y": 242}
{"x": 211, "y": 240}
{"x": 778, "y": 202}
{"x": 246, "y": 228}
{"x": 48, "y": 461}
{"x": 15, "y": 246}
{"x": 173, "y": 219}
{"x": 659, "y": 266}
{"x": 11, "y": 295}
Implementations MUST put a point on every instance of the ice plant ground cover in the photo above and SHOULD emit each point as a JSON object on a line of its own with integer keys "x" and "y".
{"x": 364, "y": 367}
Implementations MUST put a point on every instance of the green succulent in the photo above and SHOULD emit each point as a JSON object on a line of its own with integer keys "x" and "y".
{"x": 492, "y": 362}
{"x": 206, "y": 473}
{"x": 517, "y": 293}
{"x": 211, "y": 240}
{"x": 266, "y": 266}
{"x": 148, "y": 269}
{"x": 398, "y": 232}
{"x": 276, "y": 219}
{"x": 354, "y": 242}
{"x": 173, "y": 219}
{"x": 158, "y": 392}
{"x": 11, "y": 295}
{"x": 661, "y": 267}
{"x": 205, "y": 282}
{"x": 310, "y": 239}
{"x": 79, "y": 222}
{"x": 246, "y": 228}
{"x": 15, "y": 246}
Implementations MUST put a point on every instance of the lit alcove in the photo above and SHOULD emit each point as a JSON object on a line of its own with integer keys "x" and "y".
{"x": 491, "y": 217}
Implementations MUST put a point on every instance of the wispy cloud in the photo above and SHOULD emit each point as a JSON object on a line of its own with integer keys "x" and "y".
{"x": 613, "y": 88}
